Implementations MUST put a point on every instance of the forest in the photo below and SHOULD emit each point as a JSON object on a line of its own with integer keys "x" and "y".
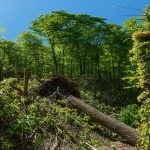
{"x": 76, "y": 82}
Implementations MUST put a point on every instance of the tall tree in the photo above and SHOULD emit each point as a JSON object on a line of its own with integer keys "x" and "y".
{"x": 73, "y": 32}
{"x": 9, "y": 55}
{"x": 141, "y": 56}
{"x": 31, "y": 51}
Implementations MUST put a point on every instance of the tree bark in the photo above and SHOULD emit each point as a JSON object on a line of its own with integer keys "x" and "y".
{"x": 1, "y": 70}
{"x": 125, "y": 131}
{"x": 26, "y": 80}
{"x": 54, "y": 61}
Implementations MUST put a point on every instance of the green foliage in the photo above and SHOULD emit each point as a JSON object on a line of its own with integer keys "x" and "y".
{"x": 145, "y": 125}
{"x": 76, "y": 45}
{"x": 18, "y": 120}
{"x": 141, "y": 56}
{"x": 105, "y": 108}
{"x": 27, "y": 121}
{"x": 82, "y": 47}
{"x": 132, "y": 25}
{"x": 101, "y": 106}
{"x": 130, "y": 115}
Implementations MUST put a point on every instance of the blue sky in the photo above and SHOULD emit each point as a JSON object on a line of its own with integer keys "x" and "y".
{"x": 16, "y": 15}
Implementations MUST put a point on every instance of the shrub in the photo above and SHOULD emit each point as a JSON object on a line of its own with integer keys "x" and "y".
{"x": 130, "y": 115}
{"x": 27, "y": 125}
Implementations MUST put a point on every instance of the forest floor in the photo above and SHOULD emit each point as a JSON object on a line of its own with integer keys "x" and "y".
{"x": 106, "y": 144}
{"x": 102, "y": 144}
{"x": 65, "y": 128}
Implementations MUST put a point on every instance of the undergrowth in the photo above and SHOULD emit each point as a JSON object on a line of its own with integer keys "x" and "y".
{"x": 28, "y": 122}
{"x": 37, "y": 123}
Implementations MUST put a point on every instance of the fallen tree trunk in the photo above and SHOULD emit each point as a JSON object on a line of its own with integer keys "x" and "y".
{"x": 125, "y": 131}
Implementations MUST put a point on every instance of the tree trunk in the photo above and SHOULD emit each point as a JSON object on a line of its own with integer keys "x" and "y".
{"x": 1, "y": 70}
{"x": 125, "y": 131}
{"x": 63, "y": 60}
{"x": 71, "y": 69}
{"x": 54, "y": 61}
{"x": 26, "y": 80}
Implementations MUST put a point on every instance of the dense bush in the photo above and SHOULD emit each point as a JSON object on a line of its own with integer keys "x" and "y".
{"x": 27, "y": 122}
{"x": 130, "y": 115}
{"x": 141, "y": 58}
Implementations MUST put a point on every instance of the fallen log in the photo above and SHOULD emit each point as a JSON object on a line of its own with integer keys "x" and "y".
{"x": 58, "y": 84}
{"x": 125, "y": 131}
